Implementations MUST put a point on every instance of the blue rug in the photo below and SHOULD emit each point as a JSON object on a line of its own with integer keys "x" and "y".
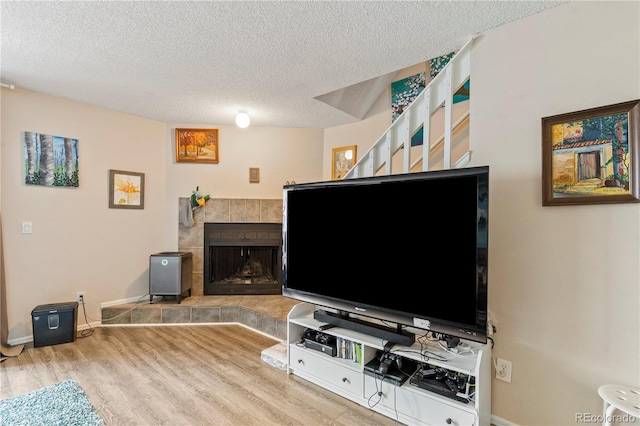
{"x": 62, "y": 404}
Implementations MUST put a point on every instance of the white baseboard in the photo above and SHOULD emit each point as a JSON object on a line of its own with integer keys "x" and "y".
{"x": 499, "y": 421}
{"x": 20, "y": 340}
{"x": 29, "y": 339}
{"x": 123, "y": 301}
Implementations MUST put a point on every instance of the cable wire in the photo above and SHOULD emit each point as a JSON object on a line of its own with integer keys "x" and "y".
{"x": 86, "y": 332}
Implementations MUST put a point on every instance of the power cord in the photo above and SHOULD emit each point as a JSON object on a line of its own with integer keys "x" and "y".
{"x": 87, "y": 332}
{"x": 377, "y": 393}
{"x": 459, "y": 350}
{"x": 425, "y": 353}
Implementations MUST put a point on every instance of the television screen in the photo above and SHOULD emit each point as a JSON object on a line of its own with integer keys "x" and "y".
{"x": 409, "y": 248}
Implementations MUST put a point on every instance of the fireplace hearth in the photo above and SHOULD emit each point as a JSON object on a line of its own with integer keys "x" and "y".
{"x": 242, "y": 258}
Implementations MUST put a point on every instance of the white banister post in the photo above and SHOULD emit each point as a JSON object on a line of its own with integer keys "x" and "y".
{"x": 387, "y": 161}
{"x": 406, "y": 143}
{"x": 448, "y": 111}
{"x": 426, "y": 130}
{"x": 439, "y": 94}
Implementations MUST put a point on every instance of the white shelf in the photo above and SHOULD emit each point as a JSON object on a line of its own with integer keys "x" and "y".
{"x": 407, "y": 403}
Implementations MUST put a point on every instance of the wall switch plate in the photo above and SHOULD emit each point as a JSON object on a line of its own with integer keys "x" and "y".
{"x": 503, "y": 370}
{"x": 26, "y": 227}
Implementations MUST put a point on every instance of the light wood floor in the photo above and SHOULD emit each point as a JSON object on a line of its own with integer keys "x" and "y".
{"x": 181, "y": 375}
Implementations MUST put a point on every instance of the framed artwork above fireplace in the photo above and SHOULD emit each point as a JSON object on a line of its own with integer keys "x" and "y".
{"x": 197, "y": 145}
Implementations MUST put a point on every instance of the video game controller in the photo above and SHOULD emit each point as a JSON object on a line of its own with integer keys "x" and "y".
{"x": 387, "y": 360}
{"x": 427, "y": 373}
{"x": 441, "y": 373}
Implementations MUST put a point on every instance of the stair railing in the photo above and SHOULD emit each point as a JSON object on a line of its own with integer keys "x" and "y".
{"x": 437, "y": 94}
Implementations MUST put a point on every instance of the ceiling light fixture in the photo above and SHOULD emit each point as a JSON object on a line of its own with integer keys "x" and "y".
{"x": 243, "y": 120}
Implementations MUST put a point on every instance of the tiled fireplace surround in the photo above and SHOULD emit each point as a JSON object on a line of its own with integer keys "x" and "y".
{"x": 221, "y": 210}
{"x": 264, "y": 313}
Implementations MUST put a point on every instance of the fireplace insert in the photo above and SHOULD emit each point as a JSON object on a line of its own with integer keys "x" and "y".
{"x": 242, "y": 258}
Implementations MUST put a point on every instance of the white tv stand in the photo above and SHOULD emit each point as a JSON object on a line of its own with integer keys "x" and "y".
{"x": 406, "y": 403}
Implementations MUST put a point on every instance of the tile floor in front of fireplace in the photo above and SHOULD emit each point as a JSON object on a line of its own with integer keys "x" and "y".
{"x": 265, "y": 313}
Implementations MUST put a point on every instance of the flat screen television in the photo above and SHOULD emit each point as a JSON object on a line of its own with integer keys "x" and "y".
{"x": 407, "y": 249}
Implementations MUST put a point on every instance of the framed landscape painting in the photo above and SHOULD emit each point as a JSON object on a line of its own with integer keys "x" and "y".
{"x": 50, "y": 160}
{"x": 197, "y": 145}
{"x": 591, "y": 156}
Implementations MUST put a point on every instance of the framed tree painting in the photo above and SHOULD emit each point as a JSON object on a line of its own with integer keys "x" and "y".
{"x": 50, "y": 160}
{"x": 591, "y": 156}
{"x": 197, "y": 145}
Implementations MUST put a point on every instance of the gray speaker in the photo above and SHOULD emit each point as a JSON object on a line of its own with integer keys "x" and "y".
{"x": 170, "y": 274}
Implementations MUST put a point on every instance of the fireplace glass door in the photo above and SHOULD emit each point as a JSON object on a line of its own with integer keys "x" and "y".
{"x": 242, "y": 258}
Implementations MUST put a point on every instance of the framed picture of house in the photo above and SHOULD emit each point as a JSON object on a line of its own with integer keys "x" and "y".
{"x": 342, "y": 160}
{"x": 197, "y": 145}
{"x": 591, "y": 156}
{"x": 126, "y": 190}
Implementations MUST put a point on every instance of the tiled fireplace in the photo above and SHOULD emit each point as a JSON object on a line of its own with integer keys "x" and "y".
{"x": 242, "y": 258}
{"x": 220, "y": 210}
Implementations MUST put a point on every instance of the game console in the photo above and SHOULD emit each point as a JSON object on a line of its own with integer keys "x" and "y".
{"x": 444, "y": 382}
{"x": 319, "y": 341}
{"x": 387, "y": 359}
{"x": 391, "y": 368}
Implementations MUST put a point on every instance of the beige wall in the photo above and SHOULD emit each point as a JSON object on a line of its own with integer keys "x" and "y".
{"x": 364, "y": 133}
{"x": 564, "y": 282}
{"x": 78, "y": 243}
{"x": 282, "y": 154}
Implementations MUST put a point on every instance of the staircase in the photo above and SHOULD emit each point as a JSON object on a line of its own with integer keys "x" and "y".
{"x": 443, "y": 122}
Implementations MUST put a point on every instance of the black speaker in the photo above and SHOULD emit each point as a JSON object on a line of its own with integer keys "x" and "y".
{"x": 54, "y": 323}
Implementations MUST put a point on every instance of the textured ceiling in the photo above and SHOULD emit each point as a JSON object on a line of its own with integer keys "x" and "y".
{"x": 197, "y": 62}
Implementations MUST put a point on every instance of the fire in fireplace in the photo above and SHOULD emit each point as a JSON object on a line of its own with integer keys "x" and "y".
{"x": 242, "y": 258}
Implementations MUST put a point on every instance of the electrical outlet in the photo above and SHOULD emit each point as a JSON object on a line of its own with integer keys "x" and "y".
{"x": 80, "y": 296}
{"x": 503, "y": 370}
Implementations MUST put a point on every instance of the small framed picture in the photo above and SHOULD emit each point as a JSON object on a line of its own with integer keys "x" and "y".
{"x": 342, "y": 160}
{"x": 197, "y": 145}
{"x": 126, "y": 190}
{"x": 591, "y": 156}
{"x": 254, "y": 175}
